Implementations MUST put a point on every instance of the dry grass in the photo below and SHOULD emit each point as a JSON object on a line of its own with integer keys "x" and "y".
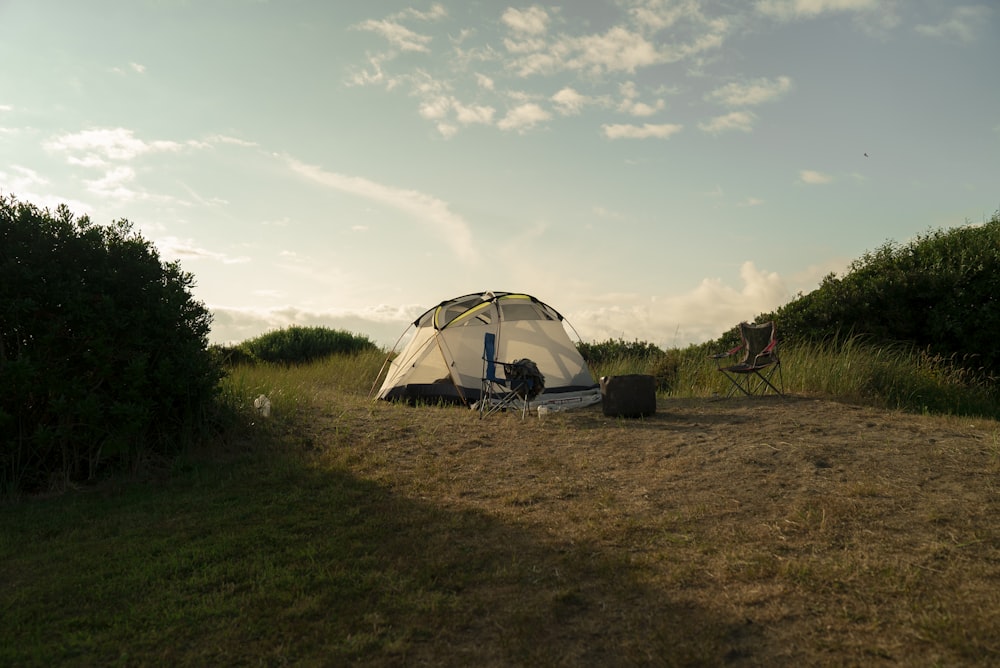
{"x": 744, "y": 532}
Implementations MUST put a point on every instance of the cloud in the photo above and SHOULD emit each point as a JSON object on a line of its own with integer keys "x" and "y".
{"x": 618, "y": 49}
{"x": 187, "y": 249}
{"x": 700, "y": 315}
{"x": 435, "y": 13}
{"x": 569, "y": 102}
{"x": 964, "y": 24}
{"x": 528, "y": 46}
{"x": 22, "y": 179}
{"x": 737, "y": 120}
{"x": 631, "y": 105}
{"x": 469, "y": 114}
{"x": 787, "y": 10}
{"x": 644, "y": 131}
{"x": 451, "y": 228}
{"x": 113, "y": 184}
{"x": 654, "y": 15}
{"x": 96, "y": 147}
{"x": 382, "y": 324}
{"x": 524, "y": 117}
{"x": 813, "y": 177}
{"x": 531, "y": 21}
{"x": 750, "y": 93}
{"x": 398, "y": 35}
{"x": 484, "y": 81}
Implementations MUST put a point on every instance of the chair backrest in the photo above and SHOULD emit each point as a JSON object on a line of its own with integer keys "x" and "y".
{"x": 757, "y": 338}
{"x": 489, "y": 357}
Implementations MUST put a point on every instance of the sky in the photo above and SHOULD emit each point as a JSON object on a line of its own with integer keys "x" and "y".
{"x": 656, "y": 170}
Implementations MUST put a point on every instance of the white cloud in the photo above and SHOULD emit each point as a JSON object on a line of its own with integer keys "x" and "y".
{"x": 644, "y": 131}
{"x": 751, "y": 93}
{"x": 187, "y": 249}
{"x": 382, "y": 324}
{"x": 114, "y": 184}
{"x": 22, "y": 179}
{"x": 467, "y": 115}
{"x": 964, "y": 24}
{"x": 524, "y": 117}
{"x": 736, "y": 120}
{"x": 656, "y": 15}
{"x": 616, "y": 50}
{"x": 787, "y": 10}
{"x": 812, "y": 177}
{"x": 451, "y": 228}
{"x": 95, "y": 147}
{"x": 631, "y": 105}
{"x": 234, "y": 141}
{"x": 484, "y": 81}
{"x": 701, "y": 315}
{"x": 435, "y": 13}
{"x": 531, "y": 21}
{"x": 398, "y": 35}
{"x": 569, "y": 102}
{"x": 435, "y": 107}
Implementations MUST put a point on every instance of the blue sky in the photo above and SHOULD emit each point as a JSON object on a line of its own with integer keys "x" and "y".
{"x": 656, "y": 170}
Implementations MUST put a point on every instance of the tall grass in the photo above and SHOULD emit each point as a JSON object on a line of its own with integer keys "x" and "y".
{"x": 855, "y": 371}
{"x": 887, "y": 376}
{"x": 289, "y": 388}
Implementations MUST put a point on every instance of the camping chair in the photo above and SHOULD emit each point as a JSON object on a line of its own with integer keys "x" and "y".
{"x": 752, "y": 375}
{"x": 522, "y": 381}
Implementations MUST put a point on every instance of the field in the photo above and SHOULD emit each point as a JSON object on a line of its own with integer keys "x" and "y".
{"x": 742, "y": 532}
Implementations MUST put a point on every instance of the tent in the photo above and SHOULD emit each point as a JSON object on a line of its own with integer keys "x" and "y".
{"x": 443, "y": 360}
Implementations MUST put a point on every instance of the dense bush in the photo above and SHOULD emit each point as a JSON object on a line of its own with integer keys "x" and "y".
{"x": 103, "y": 351}
{"x": 612, "y": 349}
{"x": 939, "y": 293}
{"x": 617, "y": 356}
{"x": 299, "y": 345}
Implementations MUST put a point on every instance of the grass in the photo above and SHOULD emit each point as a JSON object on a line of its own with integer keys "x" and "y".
{"x": 341, "y": 531}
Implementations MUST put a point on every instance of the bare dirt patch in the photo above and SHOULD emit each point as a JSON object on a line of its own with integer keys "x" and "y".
{"x": 761, "y": 531}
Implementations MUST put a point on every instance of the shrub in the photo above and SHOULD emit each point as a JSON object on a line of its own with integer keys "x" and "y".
{"x": 613, "y": 349}
{"x": 103, "y": 350}
{"x": 298, "y": 345}
{"x": 937, "y": 293}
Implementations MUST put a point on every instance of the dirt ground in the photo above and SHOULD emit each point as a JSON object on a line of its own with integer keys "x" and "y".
{"x": 783, "y": 531}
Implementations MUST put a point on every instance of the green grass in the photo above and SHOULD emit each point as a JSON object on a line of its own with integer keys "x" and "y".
{"x": 886, "y": 376}
{"x": 339, "y": 531}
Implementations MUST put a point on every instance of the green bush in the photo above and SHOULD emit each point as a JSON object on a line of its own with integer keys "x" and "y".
{"x": 299, "y": 345}
{"x": 103, "y": 351}
{"x": 938, "y": 293}
{"x": 613, "y": 349}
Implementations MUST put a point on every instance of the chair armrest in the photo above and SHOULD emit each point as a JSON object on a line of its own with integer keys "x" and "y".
{"x": 728, "y": 353}
{"x": 770, "y": 351}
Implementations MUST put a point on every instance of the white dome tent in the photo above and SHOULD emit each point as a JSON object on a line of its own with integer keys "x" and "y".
{"x": 443, "y": 361}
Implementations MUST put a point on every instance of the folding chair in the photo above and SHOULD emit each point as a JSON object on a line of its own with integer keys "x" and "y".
{"x": 752, "y": 375}
{"x": 522, "y": 381}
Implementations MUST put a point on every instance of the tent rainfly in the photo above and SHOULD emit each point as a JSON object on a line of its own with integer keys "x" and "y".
{"x": 443, "y": 360}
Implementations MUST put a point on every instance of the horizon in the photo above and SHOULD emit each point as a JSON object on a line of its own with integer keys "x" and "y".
{"x": 658, "y": 169}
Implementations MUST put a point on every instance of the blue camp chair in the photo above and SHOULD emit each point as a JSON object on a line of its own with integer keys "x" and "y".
{"x": 521, "y": 382}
